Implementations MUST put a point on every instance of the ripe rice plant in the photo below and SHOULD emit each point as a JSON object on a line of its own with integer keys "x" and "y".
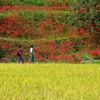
{"x": 49, "y": 81}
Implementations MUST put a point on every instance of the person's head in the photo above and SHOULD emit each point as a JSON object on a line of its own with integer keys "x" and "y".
{"x": 31, "y": 46}
{"x": 20, "y": 46}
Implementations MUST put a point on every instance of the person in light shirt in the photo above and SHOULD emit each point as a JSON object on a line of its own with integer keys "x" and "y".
{"x": 31, "y": 52}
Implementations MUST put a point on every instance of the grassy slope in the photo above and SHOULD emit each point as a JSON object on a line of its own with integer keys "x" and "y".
{"x": 32, "y": 40}
{"x": 15, "y": 13}
{"x": 49, "y": 82}
{"x": 24, "y": 13}
{"x": 34, "y": 2}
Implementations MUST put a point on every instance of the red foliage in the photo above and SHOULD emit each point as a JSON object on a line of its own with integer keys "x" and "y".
{"x": 2, "y": 8}
{"x": 62, "y": 56}
{"x": 13, "y": 27}
{"x": 81, "y": 30}
{"x": 95, "y": 52}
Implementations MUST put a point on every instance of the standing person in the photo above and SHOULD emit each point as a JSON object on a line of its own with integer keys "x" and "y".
{"x": 19, "y": 54}
{"x": 31, "y": 52}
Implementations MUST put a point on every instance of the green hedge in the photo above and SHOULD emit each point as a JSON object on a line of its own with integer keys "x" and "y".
{"x": 63, "y": 17}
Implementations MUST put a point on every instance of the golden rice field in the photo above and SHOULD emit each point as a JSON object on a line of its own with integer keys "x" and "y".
{"x": 49, "y": 81}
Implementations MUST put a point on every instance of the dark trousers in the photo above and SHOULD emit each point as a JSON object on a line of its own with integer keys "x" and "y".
{"x": 31, "y": 58}
{"x": 20, "y": 59}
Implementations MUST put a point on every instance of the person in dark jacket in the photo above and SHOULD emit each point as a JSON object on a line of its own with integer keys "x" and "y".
{"x": 19, "y": 54}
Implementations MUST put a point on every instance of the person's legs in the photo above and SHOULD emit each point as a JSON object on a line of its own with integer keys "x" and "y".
{"x": 22, "y": 60}
{"x": 31, "y": 59}
{"x": 18, "y": 59}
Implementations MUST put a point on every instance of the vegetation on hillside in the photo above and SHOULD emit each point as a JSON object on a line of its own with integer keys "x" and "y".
{"x": 37, "y": 2}
{"x": 58, "y": 32}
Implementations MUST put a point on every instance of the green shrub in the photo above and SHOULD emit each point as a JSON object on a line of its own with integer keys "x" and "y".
{"x": 37, "y": 2}
{"x": 39, "y": 15}
{"x": 86, "y": 56}
{"x": 88, "y": 16}
{"x": 34, "y": 2}
{"x": 1, "y": 2}
{"x": 1, "y": 53}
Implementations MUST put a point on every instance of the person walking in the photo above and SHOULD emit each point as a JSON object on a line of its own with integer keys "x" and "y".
{"x": 19, "y": 54}
{"x": 31, "y": 52}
